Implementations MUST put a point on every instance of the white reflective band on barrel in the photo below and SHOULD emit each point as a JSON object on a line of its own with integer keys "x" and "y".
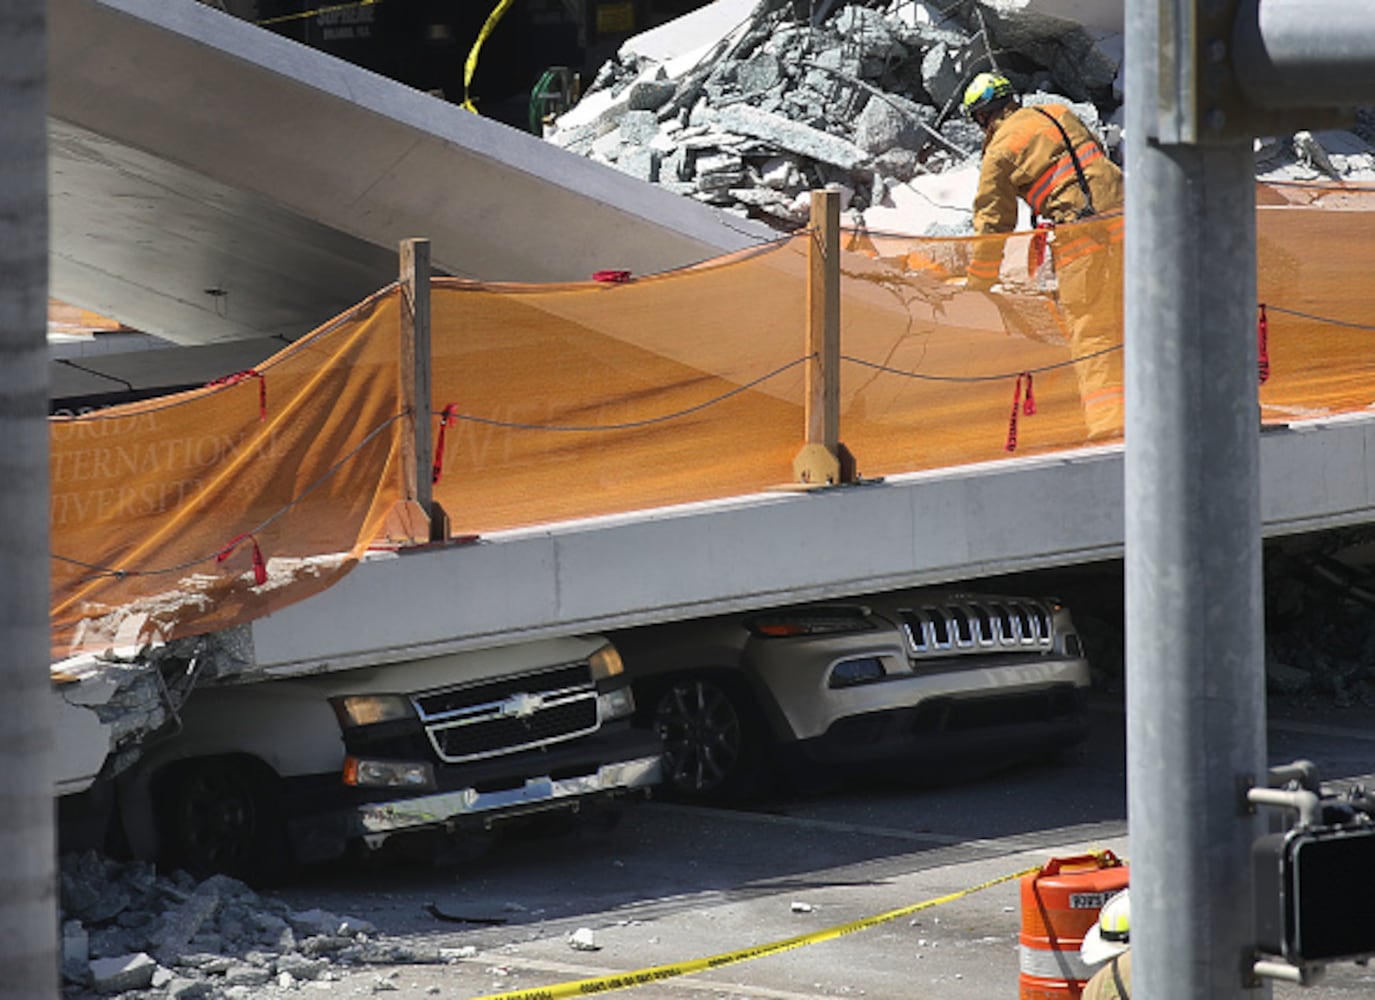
{"x": 1045, "y": 963}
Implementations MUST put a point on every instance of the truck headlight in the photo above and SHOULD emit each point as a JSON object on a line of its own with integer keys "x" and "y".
{"x": 388, "y": 773}
{"x": 367, "y": 709}
{"x": 615, "y": 704}
{"x": 606, "y": 662}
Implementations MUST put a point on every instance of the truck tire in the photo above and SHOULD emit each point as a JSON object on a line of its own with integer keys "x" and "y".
{"x": 223, "y": 815}
{"x": 715, "y": 745}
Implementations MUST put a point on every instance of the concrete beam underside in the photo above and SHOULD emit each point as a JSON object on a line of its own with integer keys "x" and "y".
{"x": 775, "y": 548}
{"x": 193, "y": 151}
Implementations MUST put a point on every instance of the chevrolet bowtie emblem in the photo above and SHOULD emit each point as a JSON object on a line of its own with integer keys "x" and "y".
{"x": 521, "y": 706}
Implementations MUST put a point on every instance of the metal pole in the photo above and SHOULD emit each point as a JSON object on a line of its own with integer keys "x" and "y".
{"x": 1305, "y": 53}
{"x": 1195, "y": 682}
{"x": 28, "y": 914}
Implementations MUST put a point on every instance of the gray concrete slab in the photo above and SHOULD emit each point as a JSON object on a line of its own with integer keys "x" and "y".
{"x": 161, "y": 367}
{"x": 773, "y": 548}
{"x": 194, "y": 151}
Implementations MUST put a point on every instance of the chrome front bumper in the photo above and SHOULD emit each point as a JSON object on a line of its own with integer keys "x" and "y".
{"x": 375, "y": 820}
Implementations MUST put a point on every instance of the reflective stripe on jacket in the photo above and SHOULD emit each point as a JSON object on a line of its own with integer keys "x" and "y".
{"x": 1024, "y": 156}
{"x": 1070, "y": 248}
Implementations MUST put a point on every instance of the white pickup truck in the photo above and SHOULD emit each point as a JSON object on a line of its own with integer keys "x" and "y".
{"x": 249, "y": 778}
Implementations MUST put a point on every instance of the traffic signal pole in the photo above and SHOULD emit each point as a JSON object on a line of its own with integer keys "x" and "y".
{"x": 1195, "y": 657}
{"x": 1195, "y": 654}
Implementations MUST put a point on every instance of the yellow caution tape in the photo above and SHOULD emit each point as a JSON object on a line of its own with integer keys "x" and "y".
{"x": 470, "y": 66}
{"x": 316, "y": 12}
{"x": 624, "y": 980}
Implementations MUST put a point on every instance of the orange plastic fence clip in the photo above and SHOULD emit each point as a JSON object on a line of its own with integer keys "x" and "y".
{"x": 238, "y": 377}
{"x": 1027, "y": 405}
{"x": 259, "y": 566}
{"x": 1263, "y": 345}
{"x": 1039, "y": 245}
{"x": 446, "y": 417}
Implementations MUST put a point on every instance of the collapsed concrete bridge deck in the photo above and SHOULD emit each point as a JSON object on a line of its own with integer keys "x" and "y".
{"x": 773, "y": 548}
{"x": 268, "y": 188}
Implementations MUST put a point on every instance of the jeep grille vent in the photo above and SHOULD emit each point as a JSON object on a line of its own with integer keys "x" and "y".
{"x": 504, "y": 716}
{"x": 994, "y": 626}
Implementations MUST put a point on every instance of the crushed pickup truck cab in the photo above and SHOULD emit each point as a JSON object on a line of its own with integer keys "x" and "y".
{"x": 271, "y": 772}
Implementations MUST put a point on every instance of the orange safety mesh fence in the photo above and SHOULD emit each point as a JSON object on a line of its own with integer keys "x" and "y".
{"x": 1314, "y": 244}
{"x": 935, "y": 375}
{"x": 191, "y": 512}
{"x": 594, "y": 398}
{"x": 557, "y": 402}
{"x": 584, "y": 399}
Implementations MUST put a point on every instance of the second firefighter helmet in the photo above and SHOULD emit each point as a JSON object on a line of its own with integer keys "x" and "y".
{"x": 1111, "y": 935}
{"x": 986, "y": 93}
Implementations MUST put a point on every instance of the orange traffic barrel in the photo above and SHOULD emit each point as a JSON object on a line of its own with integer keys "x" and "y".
{"x": 1059, "y": 905}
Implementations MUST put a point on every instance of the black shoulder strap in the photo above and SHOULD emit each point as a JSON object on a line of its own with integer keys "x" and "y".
{"x": 1117, "y": 980}
{"x": 1088, "y": 208}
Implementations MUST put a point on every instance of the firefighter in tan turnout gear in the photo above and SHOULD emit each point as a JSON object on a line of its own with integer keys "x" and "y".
{"x": 1108, "y": 944}
{"x": 1047, "y": 157}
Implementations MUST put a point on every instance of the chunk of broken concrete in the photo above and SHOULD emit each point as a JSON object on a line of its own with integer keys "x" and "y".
{"x": 790, "y": 136}
{"x": 583, "y": 939}
{"x": 124, "y": 972}
{"x": 189, "y": 989}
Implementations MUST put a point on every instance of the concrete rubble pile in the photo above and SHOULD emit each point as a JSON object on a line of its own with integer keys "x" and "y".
{"x": 751, "y": 104}
{"x": 1320, "y": 619}
{"x": 128, "y": 931}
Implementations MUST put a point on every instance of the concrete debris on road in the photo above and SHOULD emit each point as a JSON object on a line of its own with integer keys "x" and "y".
{"x": 583, "y": 939}
{"x": 749, "y": 106}
{"x": 127, "y": 930}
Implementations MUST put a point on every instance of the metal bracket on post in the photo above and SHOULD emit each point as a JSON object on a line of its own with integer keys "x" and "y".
{"x": 1273, "y": 968}
{"x": 1303, "y": 773}
{"x": 1212, "y": 52}
{"x": 823, "y": 460}
{"x": 1303, "y": 802}
{"x": 1287, "y": 786}
{"x": 1294, "y": 786}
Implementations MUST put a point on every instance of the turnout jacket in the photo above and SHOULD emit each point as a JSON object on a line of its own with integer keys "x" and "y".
{"x": 1025, "y": 156}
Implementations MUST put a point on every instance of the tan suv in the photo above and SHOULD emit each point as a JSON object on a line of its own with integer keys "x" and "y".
{"x": 896, "y": 679}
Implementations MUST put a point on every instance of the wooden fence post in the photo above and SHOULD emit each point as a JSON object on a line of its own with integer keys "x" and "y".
{"x": 823, "y": 459}
{"x": 422, "y": 519}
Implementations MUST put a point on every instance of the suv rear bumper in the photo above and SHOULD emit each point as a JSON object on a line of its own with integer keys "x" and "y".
{"x": 993, "y": 725}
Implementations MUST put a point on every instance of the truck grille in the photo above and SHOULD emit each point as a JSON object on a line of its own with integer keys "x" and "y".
{"x": 508, "y": 715}
{"x": 978, "y": 626}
